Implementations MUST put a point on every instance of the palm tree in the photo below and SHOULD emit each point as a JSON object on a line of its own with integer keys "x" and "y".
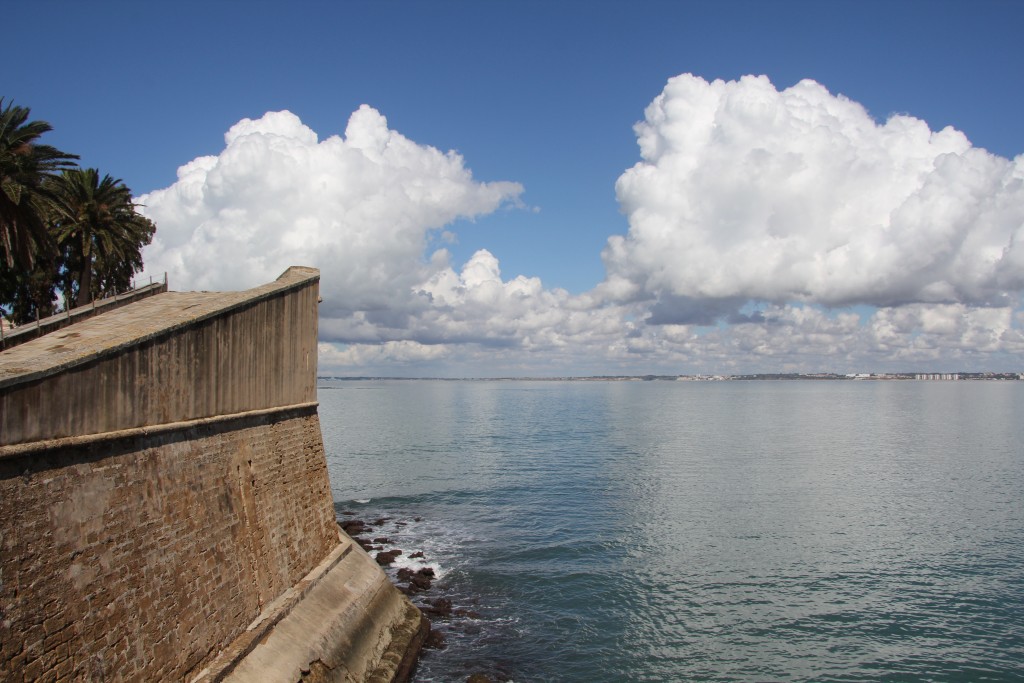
{"x": 100, "y": 231}
{"x": 24, "y": 167}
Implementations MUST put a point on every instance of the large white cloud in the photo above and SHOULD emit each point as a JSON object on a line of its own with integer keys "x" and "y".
{"x": 359, "y": 207}
{"x": 795, "y": 199}
{"x": 748, "y": 193}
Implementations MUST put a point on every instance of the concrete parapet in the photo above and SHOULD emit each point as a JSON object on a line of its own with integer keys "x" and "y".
{"x": 172, "y": 357}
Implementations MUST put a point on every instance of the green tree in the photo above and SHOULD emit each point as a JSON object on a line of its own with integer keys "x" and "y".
{"x": 99, "y": 231}
{"x": 25, "y": 167}
{"x": 28, "y": 295}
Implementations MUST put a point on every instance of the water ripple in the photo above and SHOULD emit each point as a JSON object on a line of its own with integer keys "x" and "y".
{"x": 719, "y": 532}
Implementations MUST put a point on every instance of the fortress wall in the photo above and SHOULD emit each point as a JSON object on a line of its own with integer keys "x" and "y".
{"x": 139, "y": 558}
{"x": 165, "y": 508}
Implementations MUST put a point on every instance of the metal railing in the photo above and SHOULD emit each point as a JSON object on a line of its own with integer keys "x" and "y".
{"x": 12, "y": 336}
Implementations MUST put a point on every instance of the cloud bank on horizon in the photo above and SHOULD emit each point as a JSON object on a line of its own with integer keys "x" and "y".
{"x": 756, "y": 219}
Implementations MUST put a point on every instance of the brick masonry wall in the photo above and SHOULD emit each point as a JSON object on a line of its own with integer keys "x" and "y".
{"x": 139, "y": 558}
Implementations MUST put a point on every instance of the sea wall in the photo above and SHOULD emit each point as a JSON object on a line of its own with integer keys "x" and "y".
{"x": 165, "y": 505}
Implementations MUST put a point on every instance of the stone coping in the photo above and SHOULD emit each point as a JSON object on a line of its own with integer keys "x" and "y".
{"x": 32, "y": 447}
{"x": 157, "y": 316}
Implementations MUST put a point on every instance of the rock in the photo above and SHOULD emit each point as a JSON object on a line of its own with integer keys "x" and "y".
{"x": 380, "y": 522}
{"x": 417, "y": 581}
{"x": 479, "y": 678}
{"x": 382, "y": 539}
{"x": 418, "y": 519}
{"x": 434, "y": 640}
{"x": 441, "y": 607}
{"x": 386, "y": 557}
{"x": 353, "y": 527}
{"x": 422, "y": 578}
{"x": 417, "y": 555}
{"x": 420, "y": 582}
{"x": 468, "y": 613}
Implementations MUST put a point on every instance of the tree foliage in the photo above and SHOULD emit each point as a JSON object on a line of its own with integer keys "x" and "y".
{"x": 25, "y": 166}
{"x": 63, "y": 230}
{"x": 102, "y": 236}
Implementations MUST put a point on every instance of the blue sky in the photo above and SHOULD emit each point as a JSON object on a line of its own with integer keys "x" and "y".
{"x": 543, "y": 94}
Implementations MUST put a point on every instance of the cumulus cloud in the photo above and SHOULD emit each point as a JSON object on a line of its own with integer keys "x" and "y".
{"x": 364, "y": 209}
{"x": 359, "y": 207}
{"x": 374, "y": 355}
{"x": 748, "y": 193}
{"x": 756, "y": 220}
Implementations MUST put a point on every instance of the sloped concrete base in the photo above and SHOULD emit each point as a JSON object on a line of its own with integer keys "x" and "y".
{"x": 344, "y": 622}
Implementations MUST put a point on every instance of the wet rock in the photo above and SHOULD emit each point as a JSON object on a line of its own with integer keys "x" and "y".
{"x": 382, "y": 539}
{"x": 386, "y": 557}
{"x": 434, "y": 640}
{"x": 441, "y": 607}
{"x": 353, "y": 527}
{"x": 418, "y": 555}
{"x": 380, "y": 522}
{"x": 467, "y": 613}
{"x": 420, "y": 581}
{"x": 417, "y": 581}
{"x": 479, "y": 678}
{"x": 418, "y": 519}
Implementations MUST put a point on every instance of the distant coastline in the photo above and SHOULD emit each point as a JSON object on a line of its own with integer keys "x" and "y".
{"x": 814, "y": 376}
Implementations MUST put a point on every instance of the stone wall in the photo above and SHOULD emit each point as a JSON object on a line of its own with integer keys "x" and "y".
{"x": 165, "y": 502}
{"x": 138, "y": 558}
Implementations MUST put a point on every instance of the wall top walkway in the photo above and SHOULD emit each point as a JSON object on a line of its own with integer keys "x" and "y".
{"x": 25, "y": 333}
{"x": 111, "y": 332}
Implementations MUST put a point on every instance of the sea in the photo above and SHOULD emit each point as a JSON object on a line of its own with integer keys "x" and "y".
{"x": 697, "y": 531}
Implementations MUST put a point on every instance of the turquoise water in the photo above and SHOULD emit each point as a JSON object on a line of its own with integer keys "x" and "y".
{"x": 678, "y": 531}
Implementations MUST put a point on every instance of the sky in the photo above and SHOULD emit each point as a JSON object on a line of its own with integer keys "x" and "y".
{"x": 569, "y": 188}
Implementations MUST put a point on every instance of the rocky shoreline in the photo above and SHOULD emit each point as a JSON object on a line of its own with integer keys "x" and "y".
{"x": 418, "y": 581}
